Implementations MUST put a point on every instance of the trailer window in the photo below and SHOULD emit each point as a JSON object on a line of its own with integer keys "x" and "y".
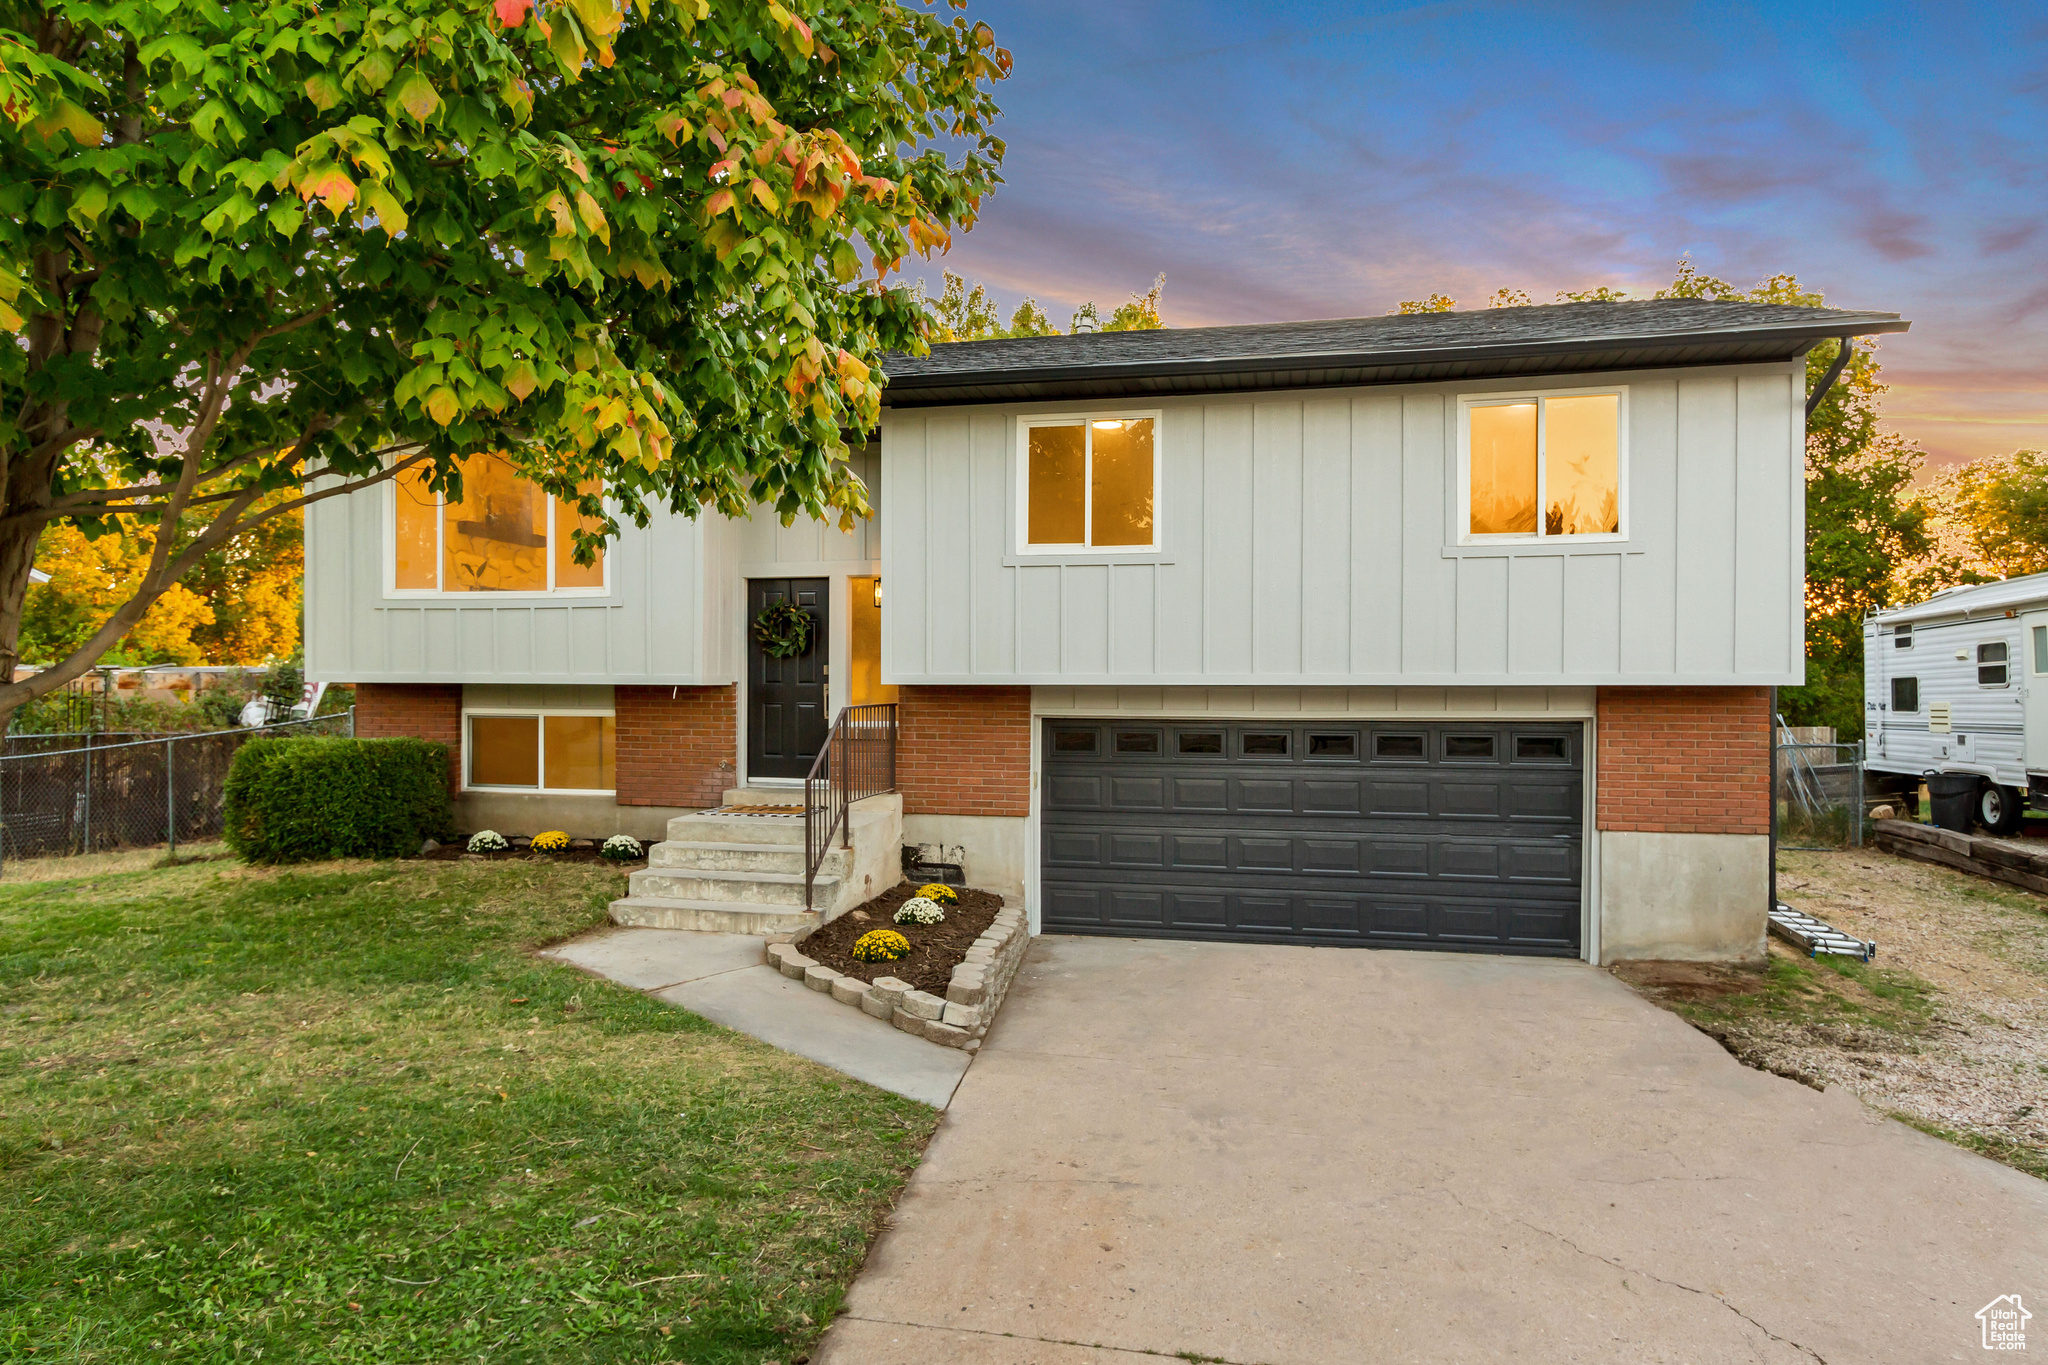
{"x": 1906, "y": 694}
{"x": 2041, "y": 649}
{"x": 1903, "y": 637}
{"x": 1991, "y": 664}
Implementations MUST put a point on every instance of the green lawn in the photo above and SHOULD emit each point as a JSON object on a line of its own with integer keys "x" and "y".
{"x": 338, "y": 1113}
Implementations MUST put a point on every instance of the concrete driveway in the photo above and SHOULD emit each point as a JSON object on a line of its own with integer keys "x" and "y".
{"x": 1254, "y": 1154}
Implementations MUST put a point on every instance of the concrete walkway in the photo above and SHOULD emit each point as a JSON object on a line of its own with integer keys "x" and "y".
{"x": 721, "y": 977}
{"x": 1258, "y": 1154}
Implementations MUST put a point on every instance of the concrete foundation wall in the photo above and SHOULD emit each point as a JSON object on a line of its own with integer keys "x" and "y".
{"x": 877, "y": 852}
{"x": 583, "y": 817}
{"x": 995, "y": 849}
{"x": 1691, "y": 897}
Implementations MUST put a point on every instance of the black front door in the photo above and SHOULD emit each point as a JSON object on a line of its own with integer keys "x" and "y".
{"x": 786, "y": 707}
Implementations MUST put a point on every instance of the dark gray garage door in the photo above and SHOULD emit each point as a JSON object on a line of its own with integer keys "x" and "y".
{"x": 1439, "y": 835}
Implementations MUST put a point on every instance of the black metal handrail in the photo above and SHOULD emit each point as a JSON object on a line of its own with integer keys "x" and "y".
{"x": 857, "y": 761}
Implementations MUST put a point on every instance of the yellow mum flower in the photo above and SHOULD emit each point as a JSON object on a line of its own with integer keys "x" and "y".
{"x": 940, "y": 892}
{"x": 880, "y": 945}
{"x": 552, "y": 841}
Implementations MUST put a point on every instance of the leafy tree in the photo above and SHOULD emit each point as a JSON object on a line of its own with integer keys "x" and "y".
{"x": 1435, "y": 303}
{"x": 238, "y": 604}
{"x": 89, "y": 579}
{"x": 1997, "y": 509}
{"x": 965, "y": 314}
{"x": 1141, "y": 314}
{"x": 1030, "y": 321}
{"x": 255, "y": 246}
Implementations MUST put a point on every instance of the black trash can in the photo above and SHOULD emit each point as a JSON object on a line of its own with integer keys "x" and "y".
{"x": 1953, "y": 797}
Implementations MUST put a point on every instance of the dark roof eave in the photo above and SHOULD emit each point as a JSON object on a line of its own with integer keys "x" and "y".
{"x": 1055, "y": 381}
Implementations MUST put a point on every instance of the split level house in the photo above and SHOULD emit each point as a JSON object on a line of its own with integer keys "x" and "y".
{"x": 1452, "y": 631}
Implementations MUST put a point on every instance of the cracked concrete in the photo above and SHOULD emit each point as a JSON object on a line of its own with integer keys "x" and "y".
{"x": 1278, "y": 1155}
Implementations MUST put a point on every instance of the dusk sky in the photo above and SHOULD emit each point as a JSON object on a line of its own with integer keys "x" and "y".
{"x": 1308, "y": 161}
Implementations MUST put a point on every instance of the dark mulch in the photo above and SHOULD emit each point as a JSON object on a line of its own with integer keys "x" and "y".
{"x": 455, "y": 853}
{"x": 935, "y": 949}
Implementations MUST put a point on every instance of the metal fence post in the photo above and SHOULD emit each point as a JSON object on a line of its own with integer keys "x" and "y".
{"x": 170, "y": 797}
{"x": 86, "y": 846}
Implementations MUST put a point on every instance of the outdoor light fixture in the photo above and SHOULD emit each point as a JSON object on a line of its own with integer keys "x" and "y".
{"x": 878, "y": 592}
{"x": 1109, "y": 426}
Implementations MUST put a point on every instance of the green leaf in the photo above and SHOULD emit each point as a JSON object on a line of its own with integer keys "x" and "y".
{"x": 373, "y": 72}
{"x": 66, "y": 117}
{"x": 324, "y": 90}
{"x": 285, "y": 217}
{"x": 88, "y": 204}
{"x": 415, "y": 94}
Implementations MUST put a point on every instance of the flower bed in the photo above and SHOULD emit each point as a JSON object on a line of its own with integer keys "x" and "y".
{"x": 520, "y": 849}
{"x": 935, "y": 949}
{"x": 945, "y": 989}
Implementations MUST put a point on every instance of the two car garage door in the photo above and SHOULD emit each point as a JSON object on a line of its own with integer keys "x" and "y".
{"x": 1433, "y": 835}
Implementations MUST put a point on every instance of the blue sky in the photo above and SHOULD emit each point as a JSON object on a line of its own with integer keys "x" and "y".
{"x": 1295, "y": 161}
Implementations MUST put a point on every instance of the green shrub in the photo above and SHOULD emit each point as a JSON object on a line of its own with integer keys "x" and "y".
{"x": 295, "y": 800}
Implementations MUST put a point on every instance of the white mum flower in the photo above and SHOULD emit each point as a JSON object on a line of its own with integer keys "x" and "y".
{"x": 919, "y": 910}
{"x": 487, "y": 841}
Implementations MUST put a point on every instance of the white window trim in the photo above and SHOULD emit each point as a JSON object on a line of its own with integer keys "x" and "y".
{"x": 1462, "y": 528}
{"x": 539, "y": 713}
{"x": 551, "y": 593}
{"x": 1981, "y": 663}
{"x": 1024, "y": 547}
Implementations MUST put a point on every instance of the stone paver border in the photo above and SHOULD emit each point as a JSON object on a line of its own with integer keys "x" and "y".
{"x": 972, "y": 997}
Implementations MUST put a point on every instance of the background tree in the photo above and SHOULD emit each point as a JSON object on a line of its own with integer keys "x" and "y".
{"x": 1993, "y": 516}
{"x": 252, "y": 246}
{"x": 966, "y": 312}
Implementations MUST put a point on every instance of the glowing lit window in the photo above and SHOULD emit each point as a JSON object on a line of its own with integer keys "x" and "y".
{"x": 1543, "y": 467}
{"x": 505, "y": 535}
{"x": 1091, "y": 483}
{"x": 561, "y": 752}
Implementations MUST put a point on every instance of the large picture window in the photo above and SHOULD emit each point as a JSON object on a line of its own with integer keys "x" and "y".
{"x": 1543, "y": 466}
{"x": 540, "y": 751}
{"x": 1089, "y": 483}
{"x": 506, "y": 535}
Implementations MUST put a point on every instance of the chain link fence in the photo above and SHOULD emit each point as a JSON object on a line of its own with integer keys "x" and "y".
{"x": 1819, "y": 790}
{"x": 59, "y": 796}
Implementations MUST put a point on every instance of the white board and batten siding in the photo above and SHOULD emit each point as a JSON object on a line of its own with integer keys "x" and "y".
{"x": 670, "y": 614}
{"x": 1308, "y": 540}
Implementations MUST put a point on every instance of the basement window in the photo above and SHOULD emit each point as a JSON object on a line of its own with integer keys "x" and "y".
{"x": 1088, "y": 483}
{"x": 505, "y": 535}
{"x": 540, "y": 752}
{"x": 1542, "y": 466}
{"x": 1991, "y": 664}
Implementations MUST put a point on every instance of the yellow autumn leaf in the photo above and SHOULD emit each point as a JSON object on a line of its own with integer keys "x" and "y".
{"x": 66, "y": 117}
{"x": 442, "y": 407}
{"x": 592, "y": 214}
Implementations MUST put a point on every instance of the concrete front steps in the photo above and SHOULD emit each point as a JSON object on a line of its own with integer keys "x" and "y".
{"x": 744, "y": 874}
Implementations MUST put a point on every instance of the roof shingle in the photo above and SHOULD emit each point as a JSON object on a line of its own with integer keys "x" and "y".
{"x": 1545, "y": 339}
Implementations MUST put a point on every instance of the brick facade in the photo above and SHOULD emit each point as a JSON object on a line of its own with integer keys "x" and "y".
{"x": 1685, "y": 760}
{"x": 964, "y": 750}
{"x": 676, "y": 745}
{"x": 417, "y": 711}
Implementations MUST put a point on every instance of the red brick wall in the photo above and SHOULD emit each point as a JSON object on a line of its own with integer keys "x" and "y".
{"x": 1685, "y": 760}
{"x": 677, "y": 745}
{"x": 964, "y": 750}
{"x": 417, "y": 711}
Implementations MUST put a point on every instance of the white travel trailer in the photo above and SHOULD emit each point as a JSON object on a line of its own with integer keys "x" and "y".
{"x": 1958, "y": 685}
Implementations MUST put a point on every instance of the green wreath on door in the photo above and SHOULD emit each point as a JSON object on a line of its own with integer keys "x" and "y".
{"x": 784, "y": 630}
